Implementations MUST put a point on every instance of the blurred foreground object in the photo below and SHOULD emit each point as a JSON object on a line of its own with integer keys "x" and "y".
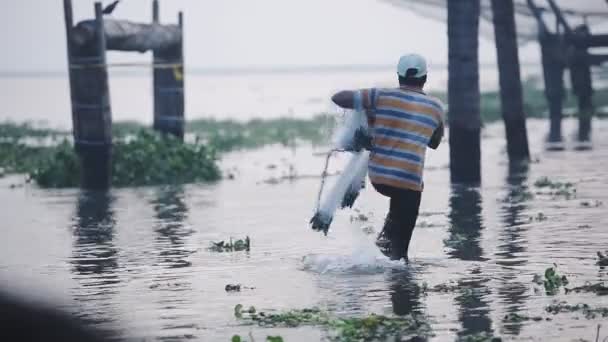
{"x": 23, "y": 321}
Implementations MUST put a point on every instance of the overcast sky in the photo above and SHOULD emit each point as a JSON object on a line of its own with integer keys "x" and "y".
{"x": 243, "y": 33}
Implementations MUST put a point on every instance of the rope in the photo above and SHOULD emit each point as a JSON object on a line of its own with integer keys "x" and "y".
{"x": 323, "y": 177}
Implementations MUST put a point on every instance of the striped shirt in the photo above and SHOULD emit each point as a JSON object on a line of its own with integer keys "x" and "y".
{"x": 402, "y": 123}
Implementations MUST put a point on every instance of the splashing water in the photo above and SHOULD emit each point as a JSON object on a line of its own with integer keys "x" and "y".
{"x": 365, "y": 258}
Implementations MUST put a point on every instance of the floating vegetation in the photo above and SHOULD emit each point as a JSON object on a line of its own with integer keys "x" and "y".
{"x": 16, "y": 131}
{"x": 233, "y": 287}
{"x": 238, "y": 338}
{"x": 236, "y": 288}
{"x": 552, "y": 280}
{"x": 585, "y": 309}
{"x": 518, "y": 196}
{"x": 372, "y": 327}
{"x": 479, "y": 337}
{"x": 560, "y": 189}
{"x": 540, "y": 217}
{"x": 231, "y": 246}
{"x": 597, "y": 288}
{"x": 514, "y": 317}
{"x": 147, "y": 158}
{"x": 591, "y": 204}
{"x": 227, "y": 135}
{"x": 602, "y": 259}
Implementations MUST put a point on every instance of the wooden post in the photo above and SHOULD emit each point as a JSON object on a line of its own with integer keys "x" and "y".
{"x": 69, "y": 24}
{"x": 552, "y": 50}
{"x": 582, "y": 87}
{"x": 155, "y": 13}
{"x": 91, "y": 111}
{"x": 511, "y": 97}
{"x": 463, "y": 91}
{"x": 169, "y": 85}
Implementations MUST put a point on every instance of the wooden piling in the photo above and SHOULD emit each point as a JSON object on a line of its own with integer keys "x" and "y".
{"x": 91, "y": 111}
{"x": 553, "y": 61}
{"x": 169, "y": 84}
{"x": 463, "y": 91}
{"x": 511, "y": 95}
{"x": 582, "y": 87}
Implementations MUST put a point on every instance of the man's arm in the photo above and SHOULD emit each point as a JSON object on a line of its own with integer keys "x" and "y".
{"x": 351, "y": 99}
{"x": 344, "y": 99}
{"x": 436, "y": 138}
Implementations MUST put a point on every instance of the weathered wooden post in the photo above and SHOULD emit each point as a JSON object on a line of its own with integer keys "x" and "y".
{"x": 582, "y": 87}
{"x": 463, "y": 91}
{"x": 552, "y": 48}
{"x": 511, "y": 97}
{"x": 90, "y": 96}
{"x": 553, "y": 61}
{"x": 169, "y": 83}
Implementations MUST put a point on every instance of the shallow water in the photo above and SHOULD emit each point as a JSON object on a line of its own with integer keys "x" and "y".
{"x": 136, "y": 260}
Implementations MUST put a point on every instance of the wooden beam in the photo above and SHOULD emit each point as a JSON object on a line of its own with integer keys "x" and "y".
{"x": 155, "y": 12}
{"x": 595, "y": 59}
{"x": 538, "y": 14}
{"x": 560, "y": 16}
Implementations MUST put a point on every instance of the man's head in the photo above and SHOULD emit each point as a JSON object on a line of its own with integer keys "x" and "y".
{"x": 412, "y": 70}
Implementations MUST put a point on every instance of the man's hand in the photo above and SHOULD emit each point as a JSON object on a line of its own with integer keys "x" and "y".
{"x": 436, "y": 137}
{"x": 344, "y": 99}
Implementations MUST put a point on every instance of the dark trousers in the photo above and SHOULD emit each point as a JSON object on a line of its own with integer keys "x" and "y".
{"x": 402, "y": 213}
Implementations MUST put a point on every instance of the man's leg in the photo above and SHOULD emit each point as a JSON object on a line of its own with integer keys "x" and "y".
{"x": 400, "y": 221}
{"x": 403, "y": 211}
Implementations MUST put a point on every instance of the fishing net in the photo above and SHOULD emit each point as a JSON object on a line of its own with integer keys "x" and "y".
{"x": 351, "y": 136}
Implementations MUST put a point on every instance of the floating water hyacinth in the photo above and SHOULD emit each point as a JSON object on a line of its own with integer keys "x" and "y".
{"x": 352, "y": 136}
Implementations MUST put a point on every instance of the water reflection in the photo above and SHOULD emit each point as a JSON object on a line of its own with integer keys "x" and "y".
{"x": 173, "y": 279}
{"x": 171, "y": 212}
{"x": 465, "y": 232}
{"x": 465, "y": 223}
{"x": 512, "y": 245}
{"x": 405, "y": 293}
{"x": 94, "y": 256}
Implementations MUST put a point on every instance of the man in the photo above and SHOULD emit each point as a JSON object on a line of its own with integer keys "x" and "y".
{"x": 403, "y": 122}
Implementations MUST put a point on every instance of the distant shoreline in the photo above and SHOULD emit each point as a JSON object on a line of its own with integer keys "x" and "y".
{"x": 228, "y": 71}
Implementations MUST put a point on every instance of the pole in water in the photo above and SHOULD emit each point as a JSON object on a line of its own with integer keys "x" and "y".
{"x": 91, "y": 111}
{"x": 169, "y": 85}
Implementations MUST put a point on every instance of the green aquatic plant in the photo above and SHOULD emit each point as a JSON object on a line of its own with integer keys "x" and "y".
{"x": 591, "y": 204}
{"x": 514, "y": 317}
{"x": 372, "y": 327}
{"x": 552, "y": 280}
{"x": 230, "y": 245}
{"x": 557, "y": 189}
{"x": 602, "y": 259}
{"x": 274, "y": 339}
{"x": 147, "y": 158}
{"x": 598, "y": 288}
{"x": 238, "y": 338}
{"x": 17, "y": 131}
{"x": 479, "y": 337}
{"x": 540, "y": 217}
{"x": 150, "y": 158}
{"x": 545, "y": 182}
{"x": 585, "y": 309}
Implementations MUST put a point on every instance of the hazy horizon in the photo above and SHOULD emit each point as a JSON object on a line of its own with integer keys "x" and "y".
{"x": 238, "y": 34}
